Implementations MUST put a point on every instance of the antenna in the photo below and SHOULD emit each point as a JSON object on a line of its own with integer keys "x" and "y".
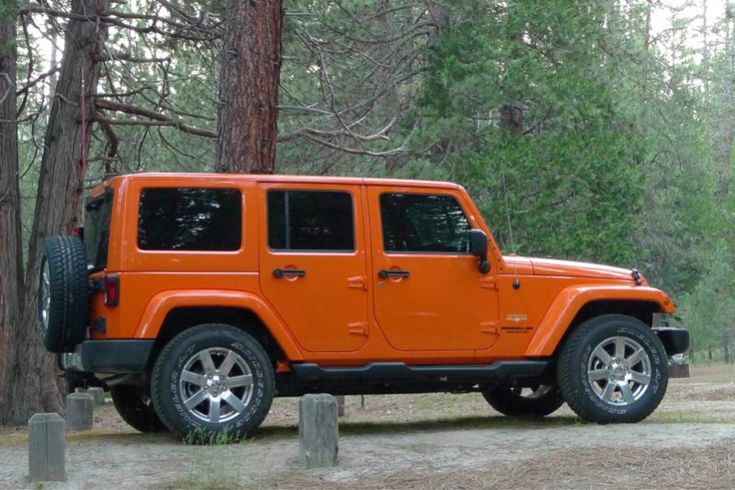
{"x": 516, "y": 281}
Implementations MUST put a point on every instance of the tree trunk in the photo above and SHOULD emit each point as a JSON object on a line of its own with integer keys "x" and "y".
{"x": 36, "y": 388}
{"x": 248, "y": 87}
{"x": 11, "y": 272}
{"x": 728, "y": 132}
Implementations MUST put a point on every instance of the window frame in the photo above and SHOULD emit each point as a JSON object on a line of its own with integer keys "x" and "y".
{"x": 419, "y": 252}
{"x": 296, "y": 251}
{"x": 243, "y": 217}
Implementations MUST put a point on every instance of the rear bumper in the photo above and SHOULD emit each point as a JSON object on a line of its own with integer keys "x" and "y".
{"x": 675, "y": 340}
{"x": 108, "y": 356}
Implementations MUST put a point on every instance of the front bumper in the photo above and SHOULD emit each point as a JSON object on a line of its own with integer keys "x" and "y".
{"x": 108, "y": 356}
{"x": 675, "y": 340}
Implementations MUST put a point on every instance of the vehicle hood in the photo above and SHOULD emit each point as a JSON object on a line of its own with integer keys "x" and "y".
{"x": 551, "y": 267}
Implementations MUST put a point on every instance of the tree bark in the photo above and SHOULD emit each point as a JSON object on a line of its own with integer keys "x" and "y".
{"x": 36, "y": 388}
{"x": 11, "y": 272}
{"x": 248, "y": 87}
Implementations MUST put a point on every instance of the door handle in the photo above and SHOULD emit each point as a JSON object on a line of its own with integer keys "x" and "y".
{"x": 278, "y": 273}
{"x": 386, "y": 273}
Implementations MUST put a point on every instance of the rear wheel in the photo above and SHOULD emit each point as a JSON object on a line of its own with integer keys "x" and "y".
{"x": 516, "y": 401}
{"x": 63, "y": 294}
{"x": 613, "y": 368}
{"x": 135, "y": 408}
{"x": 212, "y": 382}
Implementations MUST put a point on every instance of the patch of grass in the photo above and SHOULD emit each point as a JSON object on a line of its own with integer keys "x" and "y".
{"x": 684, "y": 417}
{"x": 203, "y": 481}
{"x": 119, "y": 437}
{"x": 214, "y": 467}
{"x": 13, "y": 439}
{"x": 200, "y": 437}
{"x": 455, "y": 423}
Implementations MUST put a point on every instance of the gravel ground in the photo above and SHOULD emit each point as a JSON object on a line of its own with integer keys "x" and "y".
{"x": 422, "y": 441}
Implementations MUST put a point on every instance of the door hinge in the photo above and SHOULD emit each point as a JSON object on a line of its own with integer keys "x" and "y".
{"x": 488, "y": 283}
{"x": 357, "y": 282}
{"x": 358, "y": 328}
{"x": 489, "y": 327}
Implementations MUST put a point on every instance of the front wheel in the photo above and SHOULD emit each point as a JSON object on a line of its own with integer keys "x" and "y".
{"x": 613, "y": 368}
{"x": 517, "y": 401}
{"x": 212, "y": 383}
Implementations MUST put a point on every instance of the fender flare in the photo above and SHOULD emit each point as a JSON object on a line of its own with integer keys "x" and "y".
{"x": 163, "y": 303}
{"x": 571, "y": 300}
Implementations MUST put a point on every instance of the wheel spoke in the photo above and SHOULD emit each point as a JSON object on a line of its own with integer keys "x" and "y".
{"x": 193, "y": 378}
{"x": 620, "y": 347}
{"x": 640, "y": 378}
{"x": 635, "y": 357}
{"x": 226, "y": 366}
{"x": 237, "y": 381}
{"x": 627, "y": 393}
{"x": 598, "y": 374}
{"x": 233, "y": 401}
{"x": 602, "y": 355}
{"x": 207, "y": 362}
{"x": 195, "y": 399}
{"x": 214, "y": 406}
{"x": 607, "y": 393}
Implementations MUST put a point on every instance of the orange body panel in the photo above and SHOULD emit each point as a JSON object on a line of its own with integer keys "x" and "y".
{"x": 341, "y": 312}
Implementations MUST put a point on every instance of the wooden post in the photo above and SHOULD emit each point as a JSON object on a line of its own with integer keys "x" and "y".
{"x": 46, "y": 448}
{"x": 318, "y": 430}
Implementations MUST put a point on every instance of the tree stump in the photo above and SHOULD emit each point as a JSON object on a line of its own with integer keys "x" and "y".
{"x": 46, "y": 448}
{"x": 79, "y": 411}
{"x": 678, "y": 370}
{"x": 318, "y": 431}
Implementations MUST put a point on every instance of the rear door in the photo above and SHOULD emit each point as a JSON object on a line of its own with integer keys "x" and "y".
{"x": 313, "y": 263}
{"x": 430, "y": 294}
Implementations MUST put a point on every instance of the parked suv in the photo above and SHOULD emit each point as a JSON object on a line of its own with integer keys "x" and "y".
{"x": 196, "y": 298}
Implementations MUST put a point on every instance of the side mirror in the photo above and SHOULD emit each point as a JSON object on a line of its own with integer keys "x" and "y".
{"x": 478, "y": 248}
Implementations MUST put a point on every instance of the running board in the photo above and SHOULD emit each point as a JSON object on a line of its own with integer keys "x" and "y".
{"x": 399, "y": 371}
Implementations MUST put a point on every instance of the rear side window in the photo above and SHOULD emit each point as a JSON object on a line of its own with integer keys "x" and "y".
{"x": 194, "y": 219}
{"x": 310, "y": 220}
{"x": 423, "y": 223}
{"x": 97, "y": 229}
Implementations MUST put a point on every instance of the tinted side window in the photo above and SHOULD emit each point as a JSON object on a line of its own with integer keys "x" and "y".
{"x": 195, "y": 219}
{"x": 310, "y": 220}
{"x": 423, "y": 223}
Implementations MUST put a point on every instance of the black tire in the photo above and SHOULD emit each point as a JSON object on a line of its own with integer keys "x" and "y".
{"x": 135, "y": 408}
{"x": 63, "y": 294}
{"x": 513, "y": 402}
{"x": 594, "y": 383}
{"x": 188, "y": 351}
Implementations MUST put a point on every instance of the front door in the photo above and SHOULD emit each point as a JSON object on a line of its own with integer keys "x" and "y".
{"x": 430, "y": 294}
{"x": 313, "y": 263}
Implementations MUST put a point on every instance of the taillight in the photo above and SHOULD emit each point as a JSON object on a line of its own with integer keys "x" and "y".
{"x": 111, "y": 287}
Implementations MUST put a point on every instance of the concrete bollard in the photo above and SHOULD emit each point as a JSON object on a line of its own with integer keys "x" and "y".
{"x": 79, "y": 411}
{"x": 98, "y": 394}
{"x": 318, "y": 430}
{"x": 46, "y": 448}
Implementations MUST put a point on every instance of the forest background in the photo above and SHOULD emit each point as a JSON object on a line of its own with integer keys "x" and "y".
{"x": 596, "y": 130}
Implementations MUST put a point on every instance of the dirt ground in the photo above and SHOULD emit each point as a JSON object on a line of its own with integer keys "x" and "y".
{"x": 422, "y": 441}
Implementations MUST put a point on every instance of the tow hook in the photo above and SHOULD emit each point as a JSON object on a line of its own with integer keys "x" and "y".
{"x": 636, "y": 277}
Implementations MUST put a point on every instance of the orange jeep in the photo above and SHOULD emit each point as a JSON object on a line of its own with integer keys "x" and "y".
{"x": 197, "y": 298}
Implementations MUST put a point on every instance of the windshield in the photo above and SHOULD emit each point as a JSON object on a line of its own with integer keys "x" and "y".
{"x": 97, "y": 229}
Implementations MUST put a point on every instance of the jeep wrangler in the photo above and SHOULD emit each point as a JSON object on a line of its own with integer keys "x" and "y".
{"x": 196, "y": 298}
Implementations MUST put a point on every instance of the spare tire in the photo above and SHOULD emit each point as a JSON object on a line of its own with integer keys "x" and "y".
{"x": 63, "y": 294}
